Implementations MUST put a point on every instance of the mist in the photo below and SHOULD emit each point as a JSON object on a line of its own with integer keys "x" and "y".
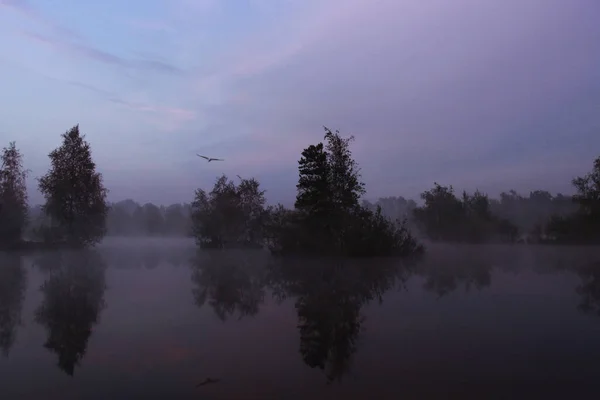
{"x": 299, "y": 199}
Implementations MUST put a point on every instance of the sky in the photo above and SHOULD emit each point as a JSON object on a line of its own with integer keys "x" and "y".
{"x": 490, "y": 95}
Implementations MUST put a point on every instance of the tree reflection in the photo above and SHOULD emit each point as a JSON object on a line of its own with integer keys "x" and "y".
{"x": 329, "y": 298}
{"x": 446, "y": 273}
{"x": 73, "y": 299}
{"x": 12, "y": 292}
{"x": 589, "y": 289}
{"x": 231, "y": 282}
{"x": 147, "y": 256}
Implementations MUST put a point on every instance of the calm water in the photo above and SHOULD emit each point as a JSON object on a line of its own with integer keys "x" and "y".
{"x": 152, "y": 319}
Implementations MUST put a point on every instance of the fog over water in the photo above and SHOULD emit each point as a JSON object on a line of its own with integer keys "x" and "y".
{"x": 149, "y": 318}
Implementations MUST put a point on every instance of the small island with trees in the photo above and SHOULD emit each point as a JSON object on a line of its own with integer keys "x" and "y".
{"x": 329, "y": 217}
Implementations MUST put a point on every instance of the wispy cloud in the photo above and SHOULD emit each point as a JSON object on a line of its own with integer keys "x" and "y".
{"x": 24, "y": 7}
{"x": 92, "y": 53}
{"x": 175, "y": 116}
{"x": 460, "y": 91}
{"x": 178, "y": 115}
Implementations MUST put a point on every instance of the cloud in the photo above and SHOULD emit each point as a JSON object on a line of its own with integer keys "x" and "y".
{"x": 24, "y": 7}
{"x": 458, "y": 87}
{"x": 89, "y": 52}
{"x": 457, "y": 91}
{"x": 176, "y": 115}
{"x": 173, "y": 116}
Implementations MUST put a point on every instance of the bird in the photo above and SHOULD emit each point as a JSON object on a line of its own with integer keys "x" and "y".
{"x": 240, "y": 177}
{"x": 210, "y": 158}
{"x": 207, "y": 381}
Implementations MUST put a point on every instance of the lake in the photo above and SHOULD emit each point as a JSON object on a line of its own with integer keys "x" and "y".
{"x": 153, "y": 319}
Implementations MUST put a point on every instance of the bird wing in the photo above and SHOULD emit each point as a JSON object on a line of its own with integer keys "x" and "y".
{"x": 207, "y": 381}
{"x": 206, "y": 158}
{"x": 217, "y": 159}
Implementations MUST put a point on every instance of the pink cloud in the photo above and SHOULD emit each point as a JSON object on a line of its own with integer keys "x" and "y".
{"x": 25, "y": 8}
{"x": 169, "y": 118}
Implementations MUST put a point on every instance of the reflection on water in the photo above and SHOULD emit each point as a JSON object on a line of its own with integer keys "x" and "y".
{"x": 232, "y": 283}
{"x": 462, "y": 320}
{"x": 589, "y": 289}
{"x": 443, "y": 274}
{"x": 329, "y": 296}
{"x": 12, "y": 291}
{"x": 73, "y": 299}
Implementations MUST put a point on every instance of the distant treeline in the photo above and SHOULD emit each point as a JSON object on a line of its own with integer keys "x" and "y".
{"x": 128, "y": 218}
{"x": 328, "y": 217}
{"x": 476, "y": 217}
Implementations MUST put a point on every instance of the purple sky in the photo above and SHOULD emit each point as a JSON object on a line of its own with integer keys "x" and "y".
{"x": 493, "y": 95}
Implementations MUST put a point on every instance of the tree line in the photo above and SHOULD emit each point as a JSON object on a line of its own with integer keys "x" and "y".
{"x": 328, "y": 217}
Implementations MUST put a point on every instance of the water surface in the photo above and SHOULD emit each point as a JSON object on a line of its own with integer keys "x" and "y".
{"x": 154, "y": 318}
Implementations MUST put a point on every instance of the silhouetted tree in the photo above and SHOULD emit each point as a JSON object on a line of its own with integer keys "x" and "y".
{"x": 74, "y": 193}
{"x": 392, "y": 207}
{"x": 445, "y": 217}
{"x": 583, "y": 225}
{"x": 13, "y": 196}
{"x": 441, "y": 214}
{"x": 230, "y": 215}
{"x": 588, "y": 191}
{"x": 12, "y": 293}
{"x": 155, "y": 222}
{"x": 531, "y": 213}
{"x": 73, "y": 299}
{"x": 328, "y": 218}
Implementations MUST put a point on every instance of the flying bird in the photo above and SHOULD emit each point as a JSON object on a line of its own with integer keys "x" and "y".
{"x": 210, "y": 158}
{"x": 207, "y": 381}
{"x": 240, "y": 177}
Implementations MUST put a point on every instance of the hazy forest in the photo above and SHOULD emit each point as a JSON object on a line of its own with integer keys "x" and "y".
{"x": 329, "y": 217}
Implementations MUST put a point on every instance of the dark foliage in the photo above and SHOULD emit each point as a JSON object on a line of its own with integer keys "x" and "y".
{"x": 583, "y": 225}
{"x": 75, "y": 196}
{"x": 328, "y": 218}
{"x": 445, "y": 217}
{"x": 13, "y": 197}
{"x": 230, "y": 215}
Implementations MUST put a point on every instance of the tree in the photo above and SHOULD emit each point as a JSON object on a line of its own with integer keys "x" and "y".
{"x": 154, "y": 220}
{"x": 583, "y": 225}
{"x": 329, "y": 189}
{"x": 229, "y": 215}
{"x": 328, "y": 218}
{"x": 314, "y": 195}
{"x": 347, "y": 187}
{"x": 74, "y": 192}
{"x": 445, "y": 217}
{"x": 441, "y": 214}
{"x": 13, "y": 196}
{"x": 588, "y": 191}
